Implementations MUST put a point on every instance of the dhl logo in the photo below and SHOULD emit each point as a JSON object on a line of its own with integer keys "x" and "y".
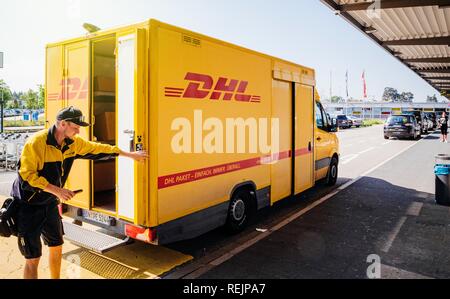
{"x": 71, "y": 89}
{"x": 201, "y": 87}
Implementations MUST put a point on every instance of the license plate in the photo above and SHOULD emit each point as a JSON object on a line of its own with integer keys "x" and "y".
{"x": 97, "y": 217}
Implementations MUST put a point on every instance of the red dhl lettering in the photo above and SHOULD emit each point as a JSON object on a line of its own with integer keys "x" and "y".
{"x": 71, "y": 89}
{"x": 202, "y": 86}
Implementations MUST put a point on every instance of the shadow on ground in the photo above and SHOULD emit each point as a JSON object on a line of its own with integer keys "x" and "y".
{"x": 335, "y": 239}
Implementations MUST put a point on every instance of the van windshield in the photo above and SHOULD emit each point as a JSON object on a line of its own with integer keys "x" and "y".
{"x": 398, "y": 120}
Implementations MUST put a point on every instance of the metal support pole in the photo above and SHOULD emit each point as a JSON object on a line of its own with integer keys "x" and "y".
{"x": 1, "y": 111}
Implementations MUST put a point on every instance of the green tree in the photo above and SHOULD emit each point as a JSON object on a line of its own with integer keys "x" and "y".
{"x": 5, "y": 92}
{"x": 15, "y": 100}
{"x": 41, "y": 96}
{"x": 406, "y": 97}
{"x": 337, "y": 99}
{"x": 432, "y": 99}
{"x": 31, "y": 99}
{"x": 390, "y": 95}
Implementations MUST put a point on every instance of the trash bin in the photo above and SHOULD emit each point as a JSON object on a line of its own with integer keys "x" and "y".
{"x": 442, "y": 174}
{"x": 35, "y": 116}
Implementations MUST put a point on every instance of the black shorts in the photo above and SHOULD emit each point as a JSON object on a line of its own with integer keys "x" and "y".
{"x": 444, "y": 130}
{"x": 34, "y": 221}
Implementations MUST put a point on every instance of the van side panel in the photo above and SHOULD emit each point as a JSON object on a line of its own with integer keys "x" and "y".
{"x": 201, "y": 84}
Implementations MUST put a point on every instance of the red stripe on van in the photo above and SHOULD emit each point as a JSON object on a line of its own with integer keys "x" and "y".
{"x": 203, "y": 173}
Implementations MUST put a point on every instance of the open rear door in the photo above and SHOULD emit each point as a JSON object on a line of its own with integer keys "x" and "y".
{"x": 131, "y": 108}
{"x": 77, "y": 94}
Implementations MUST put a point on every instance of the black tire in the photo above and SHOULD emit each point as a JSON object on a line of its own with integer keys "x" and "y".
{"x": 239, "y": 211}
{"x": 332, "y": 172}
{"x": 386, "y": 137}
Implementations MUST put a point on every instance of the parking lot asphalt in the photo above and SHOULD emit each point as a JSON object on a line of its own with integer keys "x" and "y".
{"x": 364, "y": 148}
{"x": 389, "y": 215}
{"x": 390, "y": 212}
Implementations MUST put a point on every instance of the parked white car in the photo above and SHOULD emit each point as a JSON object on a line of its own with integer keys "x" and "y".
{"x": 357, "y": 122}
{"x": 429, "y": 123}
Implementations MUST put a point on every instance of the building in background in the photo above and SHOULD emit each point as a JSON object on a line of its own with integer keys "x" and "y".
{"x": 381, "y": 110}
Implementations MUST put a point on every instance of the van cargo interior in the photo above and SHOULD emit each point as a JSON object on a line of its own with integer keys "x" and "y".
{"x": 104, "y": 105}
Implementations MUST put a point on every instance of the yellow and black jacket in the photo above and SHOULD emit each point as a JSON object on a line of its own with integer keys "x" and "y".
{"x": 44, "y": 162}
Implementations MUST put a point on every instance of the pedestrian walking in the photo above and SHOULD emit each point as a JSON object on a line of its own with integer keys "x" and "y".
{"x": 443, "y": 123}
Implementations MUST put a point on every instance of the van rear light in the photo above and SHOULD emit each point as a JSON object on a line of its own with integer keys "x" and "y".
{"x": 140, "y": 233}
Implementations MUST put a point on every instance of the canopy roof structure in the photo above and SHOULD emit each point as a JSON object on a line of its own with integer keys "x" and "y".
{"x": 416, "y": 32}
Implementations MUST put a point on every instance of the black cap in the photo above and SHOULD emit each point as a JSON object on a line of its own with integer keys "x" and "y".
{"x": 73, "y": 115}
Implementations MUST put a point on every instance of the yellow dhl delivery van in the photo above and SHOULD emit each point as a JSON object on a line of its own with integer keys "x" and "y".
{"x": 229, "y": 131}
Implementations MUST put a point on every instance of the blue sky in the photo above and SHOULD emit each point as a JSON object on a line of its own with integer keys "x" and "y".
{"x": 302, "y": 31}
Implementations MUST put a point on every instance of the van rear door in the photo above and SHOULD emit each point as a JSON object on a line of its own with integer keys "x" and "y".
{"x": 132, "y": 120}
{"x": 77, "y": 94}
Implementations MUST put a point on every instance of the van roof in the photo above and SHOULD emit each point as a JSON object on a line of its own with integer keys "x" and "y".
{"x": 157, "y": 23}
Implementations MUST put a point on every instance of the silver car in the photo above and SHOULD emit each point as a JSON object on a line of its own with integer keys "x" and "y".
{"x": 357, "y": 122}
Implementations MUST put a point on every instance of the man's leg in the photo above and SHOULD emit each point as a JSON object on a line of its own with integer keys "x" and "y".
{"x": 31, "y": 268}
{"x": 55, "y": 258}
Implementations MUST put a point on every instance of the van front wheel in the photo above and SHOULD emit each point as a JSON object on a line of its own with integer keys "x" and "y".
{"x": 239, "y": 211}
{"x": 332, "y": 172}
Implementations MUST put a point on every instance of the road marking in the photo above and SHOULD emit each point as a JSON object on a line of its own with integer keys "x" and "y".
{"x": 393, "y": 235}
{"x": 354, "y": 156}
{"x": 387, "y": 142}
{"x": 203, "y": 268}
{"x": 367, "y": 150}
{"x": 414, "y": 209}
{"x": 348, "y": 156}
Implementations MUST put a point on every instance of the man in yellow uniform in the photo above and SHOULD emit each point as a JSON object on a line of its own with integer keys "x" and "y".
{"x": 44, "y": 166}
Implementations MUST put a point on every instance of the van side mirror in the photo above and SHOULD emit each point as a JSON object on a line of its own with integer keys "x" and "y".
{"x": 333, "y": 127}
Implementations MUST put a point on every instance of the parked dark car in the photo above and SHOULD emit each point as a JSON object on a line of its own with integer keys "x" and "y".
{"x": 402, "y": 126}
{"x": 343, "y": 122}
{"x": 420, "y": 120}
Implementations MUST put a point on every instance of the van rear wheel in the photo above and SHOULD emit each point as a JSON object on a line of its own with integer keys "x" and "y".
{"x": 332, "y": 172}
{"x": 239, "y": 211}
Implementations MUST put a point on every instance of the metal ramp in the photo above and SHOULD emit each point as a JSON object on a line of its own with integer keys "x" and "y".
{"x": 91, "y": 239}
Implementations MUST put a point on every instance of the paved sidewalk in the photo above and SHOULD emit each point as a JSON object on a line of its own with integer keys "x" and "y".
{"x": 390, "y": 213}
